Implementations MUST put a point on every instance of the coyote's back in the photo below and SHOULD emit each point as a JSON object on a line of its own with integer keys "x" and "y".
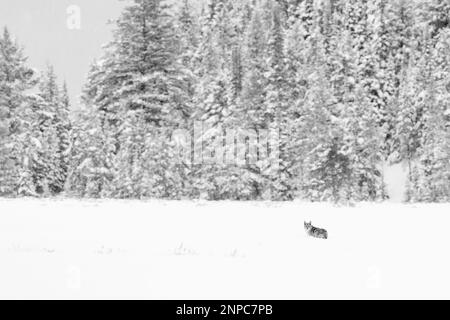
{"x": 315, "y": 232}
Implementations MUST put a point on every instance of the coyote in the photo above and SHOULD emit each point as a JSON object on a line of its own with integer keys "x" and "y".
{"x": 315, "y": 232}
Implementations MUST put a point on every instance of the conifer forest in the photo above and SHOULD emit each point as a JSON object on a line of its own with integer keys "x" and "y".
{"x": 308, "y": 99}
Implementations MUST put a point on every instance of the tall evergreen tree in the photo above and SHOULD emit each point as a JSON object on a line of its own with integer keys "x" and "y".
{"x": 276, "y": 109}
{"x": 16, "y": 81}
{"x": 138, "y": 93}
{"x": 50, "y": 166}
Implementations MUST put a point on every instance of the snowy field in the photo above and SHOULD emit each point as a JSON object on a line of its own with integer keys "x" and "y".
{"x": 198, "y": 250}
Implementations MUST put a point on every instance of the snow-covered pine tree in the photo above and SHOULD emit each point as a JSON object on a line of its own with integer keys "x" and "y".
{"x": 326, "y": 169}
{"x": 431, "y": 176}
{"x": 276, "y": 110}
{"x": 400, "y": 42}
{"x": 217, "y": 96}
{"x": 252, "y": 112}
{"x": 301, "y": 56}
{"x": 411, "y": 105}
{"x": 49, "y": 166}
{"x": 16, "y": 82}
{"x": 364, "y": 101}
{"x": 139, "y": 91}
{"x": 213, "y": 67}
{"x": 376, "y": 70}
{"x": 188, "y": 42}
{"x": 91, "y": 154}
{"x": 95, "y": 130}
{"x": 63, "y": 131}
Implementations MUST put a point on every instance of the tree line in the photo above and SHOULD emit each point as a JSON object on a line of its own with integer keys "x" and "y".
{"x": 348, "y": 85}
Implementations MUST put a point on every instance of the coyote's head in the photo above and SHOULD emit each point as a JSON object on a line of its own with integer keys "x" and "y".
{"x": 308, "y": 225}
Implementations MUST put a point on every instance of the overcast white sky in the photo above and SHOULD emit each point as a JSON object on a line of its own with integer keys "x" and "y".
{"x": 41, "y": 27}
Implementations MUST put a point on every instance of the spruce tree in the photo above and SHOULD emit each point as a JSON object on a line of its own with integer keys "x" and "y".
{"x": 16, "y": 83}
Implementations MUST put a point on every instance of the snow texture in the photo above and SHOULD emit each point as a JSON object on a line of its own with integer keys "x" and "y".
{"x": 221, "y": 250}
{"x": 320, "y": 96}
{"x": 396, "y": 177}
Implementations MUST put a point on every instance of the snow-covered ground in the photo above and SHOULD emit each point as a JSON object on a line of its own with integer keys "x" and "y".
{"x": 199, "y": 250}
{"x": 395, "y": 178}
